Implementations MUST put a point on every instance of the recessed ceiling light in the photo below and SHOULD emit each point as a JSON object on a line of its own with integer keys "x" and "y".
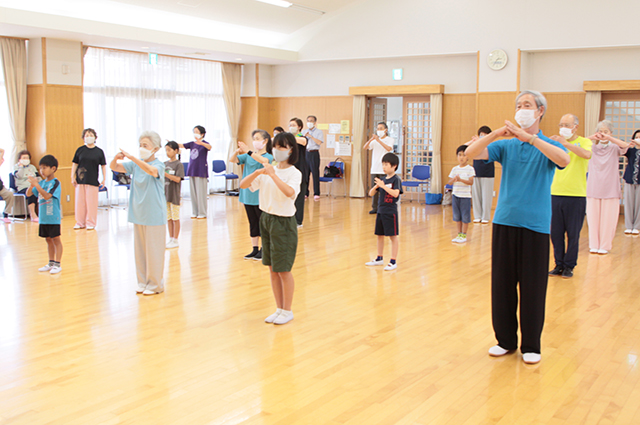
{"x": 280, "y": 3}
{"x": 238, "y": 59}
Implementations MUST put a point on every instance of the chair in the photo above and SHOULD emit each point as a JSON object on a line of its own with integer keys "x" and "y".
{"x": 185, "y": 165}
{"x": 103, "y": 189}
{"x": 219, "y": 167}
{"x": 330, "y": 180}
{"x": 16, "y": 195}
{"x": 421, "y": 175}
{"x": 114, "y": 177}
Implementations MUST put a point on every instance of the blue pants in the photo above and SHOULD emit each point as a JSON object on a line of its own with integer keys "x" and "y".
{"x": 567, "y": 217}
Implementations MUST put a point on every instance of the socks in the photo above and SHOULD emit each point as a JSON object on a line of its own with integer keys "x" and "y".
{"x": 379, "y": 258}
{"x": 255, "y": 250}
{"x": 54, "y": 263}
{"x": 393, "y": 261}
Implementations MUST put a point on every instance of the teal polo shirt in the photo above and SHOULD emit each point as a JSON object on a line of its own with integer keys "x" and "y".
{"x": 248, "y": 197}
{"x": 525, "y": 188}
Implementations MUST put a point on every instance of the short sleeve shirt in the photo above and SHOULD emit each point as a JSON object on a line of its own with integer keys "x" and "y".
{"x": 603, "y": 181}
{"x": 460, "y": 189}
{"x": 572, "y": 180}
{"x": 49, "y": 209}
{"x": 272, "y": 200}
{"x": 147, "y": 203}
{"x": 632, "y": 172}
{"x": 318, "y": 134}
{"x": 387, "y": 204}
{"x": 171, "y": 188}
{"x": 525, "y": 188}
{"x": 197, "y": 160}
{"x": 88, "y": 160}
{"x": 484, "y": 169}
{"x": 248, "y": 197}
{"x": 378, "y": 152}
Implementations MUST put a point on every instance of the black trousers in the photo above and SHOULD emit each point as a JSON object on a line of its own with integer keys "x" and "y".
{"x": 313, "y": 162}
{"x": 374, "y": 201}
{"x": 519, "y": 258}
{"x": 299, "y": 203}
{"x": 567, "y": 217}
{"x": 253, "y": 214}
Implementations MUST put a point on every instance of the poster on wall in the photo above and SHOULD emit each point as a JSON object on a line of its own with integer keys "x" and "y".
{"x": 331, "y": 141}
{"x": 343, "y": 149}
{"x": 334, "y": 128}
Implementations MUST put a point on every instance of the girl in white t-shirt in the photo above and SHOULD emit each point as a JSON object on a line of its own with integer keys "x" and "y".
{"x": 278, "y": 188}
{"x": 379, "y": 144}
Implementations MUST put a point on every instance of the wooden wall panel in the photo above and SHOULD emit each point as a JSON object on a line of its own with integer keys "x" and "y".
{"x": 248, "y": 119}
{"x": 458, "y": 126}
{"x": 560, "y": 104}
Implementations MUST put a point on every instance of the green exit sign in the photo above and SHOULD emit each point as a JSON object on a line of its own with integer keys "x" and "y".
{"x": 153, "y": 58}
{"x": 397, "y": 74}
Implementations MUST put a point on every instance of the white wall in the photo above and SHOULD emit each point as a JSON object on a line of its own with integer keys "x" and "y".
{"x": 34, "y": 61}
{"x": 61, "y": 55}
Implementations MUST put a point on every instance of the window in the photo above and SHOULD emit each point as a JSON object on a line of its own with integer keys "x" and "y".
{"x": 125, "y": 95}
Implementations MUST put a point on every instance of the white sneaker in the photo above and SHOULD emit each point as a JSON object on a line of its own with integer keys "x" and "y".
{"x": 283, "y": 317}
{"x": 194, "y": 216}
{"x": 531, "y": 358}
{"x": 497, "y": 351}
{"x": 46, "y": 268}
{"x": 374, "y": 262}
{"x": 485, "y": 221}
{"x": 141, "y": 288}
{"x": 77, "y": 227}
{"x": 273, "y": 316}
{"x": 55, "y": 270}
{"x": 593, "y": 251}
{"x": 201, "y": 216}
{"x": 150, "y": 292}
{"x": 173, "y": 243}
{"x": 391, "y": 267}
{"x": 90, "y": 228}
{"x": 603, "y": 251}
{"x": 635, "y": 232}
{"x": 628, "y": 231}
{"x": 459, "y": 239}
{"x": 477, "y": 220}
{"x": 299, "y": 226}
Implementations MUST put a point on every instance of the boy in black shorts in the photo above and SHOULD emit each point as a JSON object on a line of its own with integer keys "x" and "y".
{"x": 389, "y": 190}
{"x": 49, "y": 193}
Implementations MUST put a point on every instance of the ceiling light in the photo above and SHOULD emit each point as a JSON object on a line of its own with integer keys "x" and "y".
{"x": 280, "y": 3}
{"x": 145, "y": 48}
{"x": 238, "y": 59}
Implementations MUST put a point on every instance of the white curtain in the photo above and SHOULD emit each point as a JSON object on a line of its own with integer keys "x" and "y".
{"x": 14, "y": 67}
{"x": 356, "y": 185}
{"x": 125, "y": 95}
{"x": 592, "y": 104}
{"x": 232, "y": 85}
{"x": 436, "y": 142}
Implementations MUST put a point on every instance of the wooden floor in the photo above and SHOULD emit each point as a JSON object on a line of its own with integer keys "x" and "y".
{"x": 365, "y": 347}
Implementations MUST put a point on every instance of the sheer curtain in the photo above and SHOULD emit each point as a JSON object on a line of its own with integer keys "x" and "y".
{"x": 436, "y": 131}
{"x": 125, "y": 95}
{"x": 6, "y": 139}
{"x": 14, "y": 70}
{"x": 356, "y": 185}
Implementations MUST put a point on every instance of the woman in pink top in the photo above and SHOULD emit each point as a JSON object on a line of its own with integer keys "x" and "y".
{"x": 603, "y": 188}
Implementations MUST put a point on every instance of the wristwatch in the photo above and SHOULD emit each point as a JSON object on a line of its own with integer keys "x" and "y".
{"x": 250, "y": 153}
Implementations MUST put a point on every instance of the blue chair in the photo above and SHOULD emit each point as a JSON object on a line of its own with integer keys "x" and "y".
{"x": 219, "y": 168}
{"x": 420, "y": 175}
{"x": 117, "y": 185}
{"x": 103, "y": 189}
{"x": 186, "y": 194}
{"x": 16, "y": 195}
{"x": 340, "y": 166}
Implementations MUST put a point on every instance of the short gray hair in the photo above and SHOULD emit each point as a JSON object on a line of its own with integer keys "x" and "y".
{"x": 265, "y": 134}
{"x": 605, "y": 123}
{"x": 537, "y": 96}
{"x": 576, "y": 121}
{"x": 153, "y": 136}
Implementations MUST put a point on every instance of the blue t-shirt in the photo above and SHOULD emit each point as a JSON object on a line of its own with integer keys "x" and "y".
{"x": 525, "y": 189}
{"x": 248, "y": 197}
{"x": 147, "y": 203}
{"x": 49, "y": 209}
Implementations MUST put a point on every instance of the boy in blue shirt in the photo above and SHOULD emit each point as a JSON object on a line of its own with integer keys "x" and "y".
{"x": 49, "y": 192}
{"x": 390, "y": 189}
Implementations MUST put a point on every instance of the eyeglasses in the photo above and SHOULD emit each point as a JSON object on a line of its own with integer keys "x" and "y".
{"x": 566, "y": 125}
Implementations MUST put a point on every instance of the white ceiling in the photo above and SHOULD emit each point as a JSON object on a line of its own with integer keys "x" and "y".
{"x": 228, "y": 30}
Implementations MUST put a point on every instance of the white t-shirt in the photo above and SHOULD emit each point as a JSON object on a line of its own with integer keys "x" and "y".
{"x": 460, "y": 189}
{"x": 272, "y": 200}
{"x": 378, "y": 153}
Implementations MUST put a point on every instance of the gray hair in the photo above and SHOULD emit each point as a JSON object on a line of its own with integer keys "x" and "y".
{"x": 576, "y": 121}
{"x": 153, "y": 137}
{"x": 538, "y": 97}
{"x": 605, "y": 123}
{"x": 265, "y": 134}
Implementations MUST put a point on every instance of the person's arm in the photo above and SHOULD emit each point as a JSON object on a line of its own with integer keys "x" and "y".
{"x": 145, "y": 166}
{"x": 579, "y": 151}
{"x": 366, "y": 145}
{"x": 478, "y": 149}
{"x": 181, "y": 146}
{"x": 555, "y": 154}
{"x": 384, "y": 145}
{"x": 472, "y": 141}
{"x": 74, "y": 168}
{"x": 104, "y": 175}
{"x": 301, "y": 141}
{"x": 319, "y": 141}
{"x": 468, "y": 181}
{"x": 623, "y": 145}
{"x": 288, "y": 191}
{"x": 393, "y": 192}
{"x": 246, "y": 182}
{"x": 206, "y": 145}
{"x": 119, "y": 168}
{"x": 453, "y": 179}
{"x": 35, "y": 185}
{"x": 172, "y": 177}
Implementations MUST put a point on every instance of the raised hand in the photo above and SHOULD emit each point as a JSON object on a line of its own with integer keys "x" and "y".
{"x": 269, "y": 170}
{"x": 242, "y": 147}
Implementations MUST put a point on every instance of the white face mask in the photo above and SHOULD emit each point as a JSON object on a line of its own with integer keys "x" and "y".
{"x": 381, "y": 133}
{"x": 566, "y": 132}
{"x": 25, "y": 162}
{"x": 293, "y": 130}
{"x": 145, "y": 154}
{"x": 258, "y": 144}
{"x": 197, "y": 136}
{"x": 310, "y": 124}
{"x": 89, "y": 140}
{"x": 526, "y": 117}
{"x": 280, "y": 155}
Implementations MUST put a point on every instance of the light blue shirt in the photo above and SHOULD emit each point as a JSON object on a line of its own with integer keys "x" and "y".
{"x": 248, "y": 197}
{"x": 525, "y": 189}
{"x": 318, "y": 134}
{"x": 49, "y": 209}
{"x": 147, "y": 203}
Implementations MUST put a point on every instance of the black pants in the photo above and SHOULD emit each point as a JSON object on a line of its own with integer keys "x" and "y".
{"x": 519, "y": 257}
{"x": 299, "y": 203}
{"x": 253, "y": 214}
{"x": 313, "y": 161}
{"x": 374, "y": 201}
{"x": 567, "y": 217}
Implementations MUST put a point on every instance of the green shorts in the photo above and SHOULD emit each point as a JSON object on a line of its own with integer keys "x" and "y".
{"x": 279, "y": 241}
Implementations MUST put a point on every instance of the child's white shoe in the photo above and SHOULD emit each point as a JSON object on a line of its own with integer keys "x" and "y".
{"x": 391, "y": 266}
{"x": 374, "y": 262}
{"x": 55, "y": 270}
{"x": 46, "y": 268}
{"x": 273, "y": 316}
{"x": 283, "y": 317}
